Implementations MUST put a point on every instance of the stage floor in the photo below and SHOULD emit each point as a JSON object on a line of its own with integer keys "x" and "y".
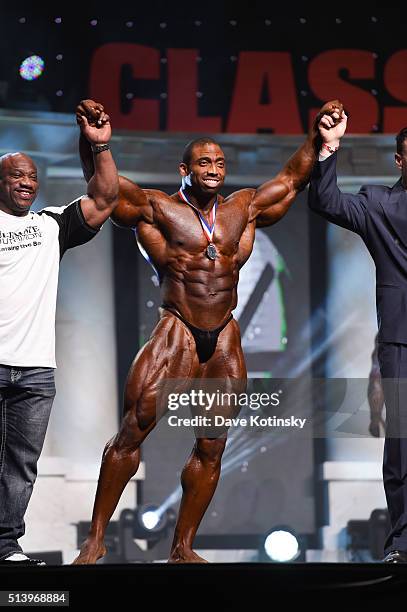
{"x": 216, "y": 586}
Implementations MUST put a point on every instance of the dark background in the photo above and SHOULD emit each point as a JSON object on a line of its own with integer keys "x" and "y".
{"x": 220, "y": 33}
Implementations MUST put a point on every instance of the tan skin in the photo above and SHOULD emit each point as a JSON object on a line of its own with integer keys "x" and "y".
{"x": 204, "y": 292}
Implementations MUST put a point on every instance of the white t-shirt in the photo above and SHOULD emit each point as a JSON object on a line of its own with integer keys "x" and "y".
{"x": 30, "y": 251}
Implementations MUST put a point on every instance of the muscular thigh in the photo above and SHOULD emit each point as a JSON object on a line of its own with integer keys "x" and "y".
{"x": 228, "y": 359}
{"x": 169, "y": 354}
{"x": 227, "y": 367}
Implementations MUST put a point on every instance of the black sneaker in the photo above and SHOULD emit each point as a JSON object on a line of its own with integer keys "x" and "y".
{"x": 20, "y": 559}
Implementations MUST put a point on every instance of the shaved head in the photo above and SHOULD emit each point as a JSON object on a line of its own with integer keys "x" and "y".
{"x": 13, "y": 157}
{"x": 187, "y": 155}
{"x": 18, "y": 183}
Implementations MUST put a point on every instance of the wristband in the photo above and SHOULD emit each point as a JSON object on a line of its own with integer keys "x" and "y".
{"x": 98, "y": 148}
{"x": 328, "y": 148}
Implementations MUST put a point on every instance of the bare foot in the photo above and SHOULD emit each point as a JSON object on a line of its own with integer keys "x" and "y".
{"x": 185, "y": 556}
{"x": 91, "y": 551}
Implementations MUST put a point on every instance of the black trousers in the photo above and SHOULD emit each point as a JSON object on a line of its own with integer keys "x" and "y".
{"x": 393, "y": 367}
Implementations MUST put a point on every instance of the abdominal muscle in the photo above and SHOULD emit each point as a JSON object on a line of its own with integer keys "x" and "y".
{"x": 204, "y": 297}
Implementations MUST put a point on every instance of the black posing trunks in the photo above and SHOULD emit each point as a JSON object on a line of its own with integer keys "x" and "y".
{"x": 205, "y": 340}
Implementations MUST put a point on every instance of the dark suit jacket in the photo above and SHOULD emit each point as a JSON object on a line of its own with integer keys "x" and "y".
{"x": 379, "y": 215}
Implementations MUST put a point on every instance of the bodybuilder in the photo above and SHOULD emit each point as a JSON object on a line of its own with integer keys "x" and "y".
{"x": 197, "y": 241}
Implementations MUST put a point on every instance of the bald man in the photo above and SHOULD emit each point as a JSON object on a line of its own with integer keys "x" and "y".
{"x": 31, "y": 246}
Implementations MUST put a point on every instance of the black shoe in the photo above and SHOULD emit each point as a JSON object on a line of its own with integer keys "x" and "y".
{"x": 20, "y": 559}
{"x": 396, "y": 556}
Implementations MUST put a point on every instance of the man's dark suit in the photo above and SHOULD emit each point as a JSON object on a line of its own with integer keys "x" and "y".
{"x": 379, "y": 215}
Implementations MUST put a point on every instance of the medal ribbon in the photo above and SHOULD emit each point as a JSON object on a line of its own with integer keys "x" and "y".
{"x": 208, "y": 228}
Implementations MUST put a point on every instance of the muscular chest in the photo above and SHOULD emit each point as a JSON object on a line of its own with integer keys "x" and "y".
{"x": 183, "y": 228}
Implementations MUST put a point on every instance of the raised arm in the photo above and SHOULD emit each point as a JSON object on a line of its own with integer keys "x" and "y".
{"x": 271, "y": 200}
{"x": 132, "y": 203}
{"x": 324, "y": 197}
{"x": 103, "y": 184}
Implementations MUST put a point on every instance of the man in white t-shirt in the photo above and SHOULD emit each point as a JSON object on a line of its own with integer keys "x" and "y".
{"x": 31, "y": 246}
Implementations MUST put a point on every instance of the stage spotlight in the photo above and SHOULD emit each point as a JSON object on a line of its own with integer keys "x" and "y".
{"x": 31, "y": 68}
{"x": 149, "y": 521}
{"x": 281, "y": 545}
